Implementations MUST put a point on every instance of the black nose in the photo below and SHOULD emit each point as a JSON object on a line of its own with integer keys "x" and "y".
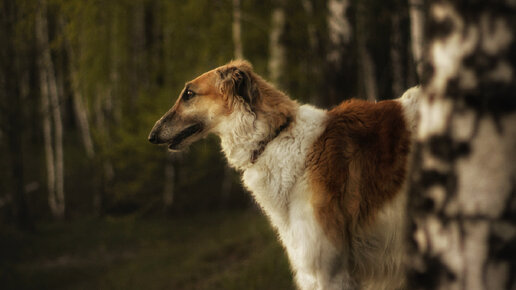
{"x": 153, "y": 138}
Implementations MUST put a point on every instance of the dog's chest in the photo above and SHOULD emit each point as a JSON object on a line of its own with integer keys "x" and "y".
{"x": 276, "y": 178}
{"x": 278, "y": 182}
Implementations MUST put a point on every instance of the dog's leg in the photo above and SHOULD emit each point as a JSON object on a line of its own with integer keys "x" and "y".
{"x": 337, "y": 281}
{"x": 322, "y": 280}
{"x": 305, "y": 280}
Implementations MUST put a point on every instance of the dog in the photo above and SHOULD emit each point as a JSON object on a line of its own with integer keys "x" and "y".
{"x": 332, "y": 183}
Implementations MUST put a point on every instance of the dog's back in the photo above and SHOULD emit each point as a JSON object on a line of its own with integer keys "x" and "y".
{"x": 357, "y": 170}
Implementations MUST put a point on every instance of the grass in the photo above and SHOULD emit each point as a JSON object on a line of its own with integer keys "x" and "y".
{"x": 235, "y": 250}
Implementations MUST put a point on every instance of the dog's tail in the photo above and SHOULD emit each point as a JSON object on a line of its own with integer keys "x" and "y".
{"x": 410, "y": 101}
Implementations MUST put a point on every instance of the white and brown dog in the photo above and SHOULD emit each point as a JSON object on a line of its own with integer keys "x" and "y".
{"x": 331, "y": 182}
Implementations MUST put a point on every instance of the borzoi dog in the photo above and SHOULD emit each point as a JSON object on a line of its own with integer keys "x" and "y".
{"x": 330, "y": 182}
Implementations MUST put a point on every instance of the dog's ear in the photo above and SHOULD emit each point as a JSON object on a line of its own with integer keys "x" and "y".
{"x": 235, "y": 83}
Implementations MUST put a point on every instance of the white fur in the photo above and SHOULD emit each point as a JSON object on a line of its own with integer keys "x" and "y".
{"x": 278, "y": 181}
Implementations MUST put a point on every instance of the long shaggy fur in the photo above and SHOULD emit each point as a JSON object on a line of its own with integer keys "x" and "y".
{"x": 331, "y": 182}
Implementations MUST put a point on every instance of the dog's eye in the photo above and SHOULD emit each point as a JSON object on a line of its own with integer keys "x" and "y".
{"x": 188, "y": 95}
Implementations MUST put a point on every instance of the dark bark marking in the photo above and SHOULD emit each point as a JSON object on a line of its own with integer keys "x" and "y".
{"x": 447, "y": 149}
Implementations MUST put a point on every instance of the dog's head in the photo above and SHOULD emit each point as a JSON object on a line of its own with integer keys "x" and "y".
{"x": 204, "y": 104}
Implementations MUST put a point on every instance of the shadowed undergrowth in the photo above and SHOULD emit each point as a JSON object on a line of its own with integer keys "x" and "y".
{"x": 235, "y": 250}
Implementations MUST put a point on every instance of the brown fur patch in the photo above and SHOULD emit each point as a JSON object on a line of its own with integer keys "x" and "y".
{"x": 357, "y": 165}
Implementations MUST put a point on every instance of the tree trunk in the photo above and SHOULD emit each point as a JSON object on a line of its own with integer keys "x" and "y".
{"x": 114, "y": 74}
{"x": 417, "y": 21}
{"x": 396, "y": 56}
{"x": 315, "y": 70}
{"x": 339, "y": 30}
{"x": 237, "y": 30}
{"x": 79, "y": 106}
{"x": 276, "y": 48}
{"x": 139, "y": 73}
{"x": 47, "y": 138}
{"x": 50, "y": 105}
{"x": 463, "y": 188}
{"x": 366, "y": 65}
{"x": 340, "y": 72}
{"x": 81, "y": 112}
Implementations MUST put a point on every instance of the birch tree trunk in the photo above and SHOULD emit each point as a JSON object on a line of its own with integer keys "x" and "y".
{"x": 80, "y": 108}
{"x": 416, "y": 33}
{"x": 50, "y": 105}
{"x": 340, "y": 72}
{"x": 339, "y": 30}
{"x": 463, "y": 187}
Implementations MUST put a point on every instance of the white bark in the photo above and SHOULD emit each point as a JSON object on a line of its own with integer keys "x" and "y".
{"x": 47, "y": 138}
{"x": 416, "y": 32}
{"x": 462, "y": 198}
{"x": 339, "y": 29}
{"x": 81, "y": 115}
{"x": 51, "y": 104}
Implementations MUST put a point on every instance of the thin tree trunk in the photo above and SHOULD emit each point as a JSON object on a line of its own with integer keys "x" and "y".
{"x": 139, "y": 71}
{"x": 367, "y": 67}
{"x": 463, "y": 192}
{"x": 312, "y": 38}
{"x": 396, "y": 58}
{"x": 339, "y": 74}
{"x": 114, "y": 74}
{"x": 47, "y": 138}
{"x": 50, "y": 104}
{"x": 416, "y": 32}
{"x": 79, "y": 106}
{"x": 276, "y": 47}
{"x": 339, "y": 30}
{"x": 315, "y": 70}
{"x": 80, "y": 110}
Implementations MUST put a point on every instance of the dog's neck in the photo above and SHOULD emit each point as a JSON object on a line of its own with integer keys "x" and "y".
{"x": 262, "y": 144}
{"x": 246, "y": 135}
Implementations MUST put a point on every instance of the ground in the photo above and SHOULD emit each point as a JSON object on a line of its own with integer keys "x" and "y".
{"x": 235, "y": 250}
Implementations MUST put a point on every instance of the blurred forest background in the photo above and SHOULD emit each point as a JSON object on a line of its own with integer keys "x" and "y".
{"x": 82, "y": 83}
